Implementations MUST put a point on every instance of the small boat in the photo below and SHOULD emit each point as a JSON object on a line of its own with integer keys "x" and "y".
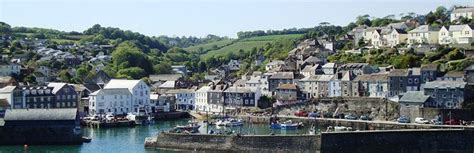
{"x": 233, "y": 122}
{"x": 190, "y": 128}
{"x": 312, "y": 130}
{"x": 342, "y": 128}
{"x": 287, "y": 125}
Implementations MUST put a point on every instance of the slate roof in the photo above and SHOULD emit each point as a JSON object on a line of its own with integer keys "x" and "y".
{"x": 325, "y": 77}
{"x": 283, "y": 75}
{"x": 445, "y": 84}
{"x": 455, "y": 28}
{"x": 121, "y": 83}
{"x": 309, "y": 68}
{"x": 429, "y": 67}
{"x": 414, "y": 97}
{"x": 115, "y": 91}
{"x": 454, "y": 74}
{"x": 313, "y": 59}
{"x": 40, "y": 114}
{"x": 400, "y": 31}
{"x": 329, "y": 65}
{"x": 287, "y": 86}
{"x": 372, "y": 77}
{"x": 353, "y": 65}
{"x": 165, "y": 77}
{"x": 424, "y": 28}
{"x": 398, "y": 72}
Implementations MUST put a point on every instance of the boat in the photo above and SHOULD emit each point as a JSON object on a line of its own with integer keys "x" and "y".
{"x": 342, "y": 128}
{"x": 192, "y": 127}
{"x": 287, "y": 125}
{"x": 312, "y": 130}
{"x": 109, "y": 117}
{"x": 229, "y": 122}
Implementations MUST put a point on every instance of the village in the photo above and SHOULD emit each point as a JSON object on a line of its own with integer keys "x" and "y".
{"x": 32, "y": 86}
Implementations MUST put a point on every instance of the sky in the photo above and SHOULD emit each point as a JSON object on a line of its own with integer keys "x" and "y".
{"x": 202, "y": 17}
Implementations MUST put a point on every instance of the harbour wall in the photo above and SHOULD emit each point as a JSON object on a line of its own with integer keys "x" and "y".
{"x": 399, "y": 141}
{"x": 354, "y": 124}
{"x": 235, "y": 143}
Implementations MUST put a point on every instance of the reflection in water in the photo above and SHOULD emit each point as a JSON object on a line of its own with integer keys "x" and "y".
{"x": 131, "y": 139}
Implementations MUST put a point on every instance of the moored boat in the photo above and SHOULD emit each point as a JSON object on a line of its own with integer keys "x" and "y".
{"x": 287, "y": 125}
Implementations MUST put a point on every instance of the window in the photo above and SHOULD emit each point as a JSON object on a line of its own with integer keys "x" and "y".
{"x": 466, "y": 32}
{"x": 410, "y": 81}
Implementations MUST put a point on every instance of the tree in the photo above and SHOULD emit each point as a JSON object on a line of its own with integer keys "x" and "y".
{"x": 163, "y": 68}
{"x": 30, "y": 79}
{"x": 131, "y": 73}
{"x": 64, "y": 76}
{"x": 363, "y": 20}
{"x": 455, "y": 55}
{"x": 127, "y": 55}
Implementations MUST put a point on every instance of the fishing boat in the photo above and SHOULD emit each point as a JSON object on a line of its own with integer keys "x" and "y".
{"x": 287, "y": 125}
{"x": 229, "y": 122}
{"x": 192, "y": 127}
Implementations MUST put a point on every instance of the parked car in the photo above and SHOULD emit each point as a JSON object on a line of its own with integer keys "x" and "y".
{"x": 403, "y": 119}
{"x": 365, "y": 118}
{"x": 421, "y": 120}
{"x": 301, "y": 113}
{"x": 350, "y": 117}
{"x": 451, "y": 122}
{"x": 436, "y": 122}
{"x": 314, "y": 114}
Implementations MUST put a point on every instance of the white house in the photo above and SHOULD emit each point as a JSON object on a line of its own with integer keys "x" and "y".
{"x": 423, "y": 34}
{"x": 467, "y": 34}
{"x": 140, "y": 93}
{"x": 201, "y": 101}
{"x": 449, "y": 34}
{"x": 185, "y": 99}
{"x": 396, "y": 37}
{"x": 114, "y": 100}
{"x": 462, "y": 12}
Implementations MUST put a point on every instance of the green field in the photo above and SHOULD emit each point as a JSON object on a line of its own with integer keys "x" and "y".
{"x": 246, "y": 44}
{"x": 208, "y": 46}
{"x": 274, "y": 37}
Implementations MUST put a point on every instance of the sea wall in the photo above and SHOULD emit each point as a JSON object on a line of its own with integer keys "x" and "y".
{"x": 398, "y": 141}
{"x": 235, "y": 143}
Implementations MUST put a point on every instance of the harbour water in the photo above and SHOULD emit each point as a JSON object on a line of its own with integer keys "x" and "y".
{"x": 131, "y": 139}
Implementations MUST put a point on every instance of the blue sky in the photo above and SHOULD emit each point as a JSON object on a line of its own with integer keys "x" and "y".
{"x": 202, "y": 17}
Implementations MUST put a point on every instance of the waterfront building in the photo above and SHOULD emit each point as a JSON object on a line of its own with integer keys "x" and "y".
{"x": 279, "y": 78}
{"x": 371, "y": 85}
{"x": 323, "y": 85}
{"x": 185, "y": 99}
{"x": 445, "y": 94}
{"x": 65, "y": 95}
{"x": 241, "y": 97}
{"x": 216, "y": 97}
{"x": 286, "y": 94}
{"x": 117, "y": 101}
{"x": 202, "y": 97}
{"x": 411, "y": 102}
{"x": 309, "y": 87}
{"x": 140, "y": 92}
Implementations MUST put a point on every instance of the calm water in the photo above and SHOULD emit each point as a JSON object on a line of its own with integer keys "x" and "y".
{"x": 131, "y": 140}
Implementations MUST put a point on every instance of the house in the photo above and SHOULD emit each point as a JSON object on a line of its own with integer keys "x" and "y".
{"x": 371, "y": 85}
{"x": 273, "y": 65}
{"x": 312, "y": 70}
{"x": 424, "y": 34}
{"x": 241, "y": 97}
{"x": 234, "y": 65}
{"x": 335, "y": 84}
{"x": 411, "y": 102}
{"x": 452, "y": 76}
{"x": 313, "y": 60}
{"x": 429, "y": 72}
{"x": 280, "y": 78}
{"x": 8, "y": 68}
{"x": 140, "y": 91}
{"x": 45, "y": 70}
{"x": 357, "y": 68}
{"x": 396, "y": 36}
{"x": 40, "y": 78}
{"x": 397, "y": 25}
{"x": 100, "y": 78}
{"x": 457, "y": 13}
{"x": 286, "y": 94}
{"x": 467, "y": 34}
{"x": 66, "y": 95}
{"x": 450, "y": 34}
{"x": 202, "y": 98}
{"x": 414, "y": 79}
{"x": 309, "y": 86}
{"x": 329, "y": 68}
{"x": 116, "y": 100}
{"x": 166, "y": 102}
{"x": 445, "y": 94}
{"x": 185, "y": 99}
{"x": 469, "y": 75}
{"x": 398, "y": 82}
{"x": 323, "y": 85}
{"x": 216, "y": 97}
{"x": 7, "y": 81}
{"x": 35, "y": 97}
{"x": 358, "y": 34}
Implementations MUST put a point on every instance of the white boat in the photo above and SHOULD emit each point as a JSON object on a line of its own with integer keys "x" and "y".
{"x": 220, "y": 123}
{"x": 233, "y": 122}
{"x": 109, "y": 117}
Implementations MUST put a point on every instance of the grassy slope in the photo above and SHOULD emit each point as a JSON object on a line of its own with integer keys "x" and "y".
{"x": 208, "y": 46}
{"x": 244, "y": 44}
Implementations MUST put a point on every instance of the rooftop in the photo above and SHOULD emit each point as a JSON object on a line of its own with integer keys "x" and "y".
{"x": 283, "y": 75}
{"x": 414, "y": 97}
{"x": 444, "y": 84}
{"x": 287, "y": 86}
{"x": 454, "y": 74}
{"x": 40, "y": 114}
{"x": 429, "y": 67}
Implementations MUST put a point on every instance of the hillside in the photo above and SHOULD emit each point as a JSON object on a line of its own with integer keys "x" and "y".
{"x": 221, "y": 48}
